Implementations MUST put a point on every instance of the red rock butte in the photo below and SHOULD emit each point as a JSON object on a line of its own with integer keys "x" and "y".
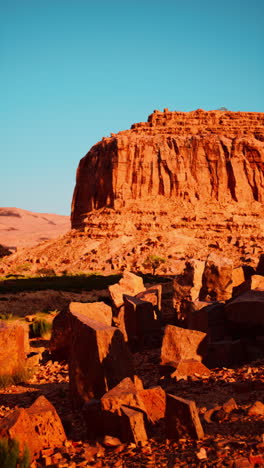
{"x": 196, "y": 157}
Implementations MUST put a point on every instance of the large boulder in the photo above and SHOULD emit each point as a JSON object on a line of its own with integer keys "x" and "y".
{"x": 260, "y": 266}
{"x": 61, "y": 336}
{"x": 107, "y": 416}
{"x": 37, "y": 427}
{"x": 247, "y": 309}
{"x": 61, "y": 327}
{"x": 13, "y": 348}
{"x": 209, "y": 318}
{"x": 98, "y": 311}
{"x": 153, "y": 295}
{"x": 130, "y": 284}
{"x": 180, "y": 343}
{"x": 217, "y": 278}
{"x": 99, "y": 358}
{"x": 182, "y": 419}
{"x": 192, "y": 277}
{"x": 139, "y": 317}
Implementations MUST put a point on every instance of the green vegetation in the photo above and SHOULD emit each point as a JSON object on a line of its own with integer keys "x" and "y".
{"x": 7, "y": 316}
{"x": 74, "y": 283}
{"x": 39, "y": 328}
{"x": 9, "y": 454}
{"x": 153, "y": 262}
{"x": 20, "y": 376}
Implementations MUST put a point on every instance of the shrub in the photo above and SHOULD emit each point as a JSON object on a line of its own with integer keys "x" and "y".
{"x": 153, "y": 261}
{"x": 39, "y": 328}
{"x": 20, "y": 376}
{"x": 9, "y": 455}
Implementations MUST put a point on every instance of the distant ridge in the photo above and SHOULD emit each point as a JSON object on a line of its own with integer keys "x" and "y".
{"x": 23, "y": 228}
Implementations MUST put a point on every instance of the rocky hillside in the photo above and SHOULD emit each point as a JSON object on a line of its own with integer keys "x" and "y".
{"x": 22, "y": 228}
{"x": 179, "y": 186}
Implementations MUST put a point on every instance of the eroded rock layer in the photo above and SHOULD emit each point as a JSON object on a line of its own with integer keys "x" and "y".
{"x": 196, "y": 157}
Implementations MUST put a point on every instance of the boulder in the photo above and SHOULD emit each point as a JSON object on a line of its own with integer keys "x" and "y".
{"x": 124, "y": 393}
{"x": 61, "y": 337}
{"x": 260, "y": 266}
{"x": 139, "y": 317}
{"x": 217, "y": 278}
{"x": 192, "y": 276}
{"x": 180, "y": 343}
{"x": 247, "y": 309}
{"x": 130, "y": 284}
{"x": 153, "y": 295}
{"x": 12, "y": 348}
{"x": 257, "y": 409}
{"x": 238, "y": 276}
{"x": 255, "y": 282}
{"x": 154, "y": 401}
{"x": 99, "y": 358}
{"x": 17, "y": 425}
{"x": 132, "y": 425}
{"x": 106, "y": 416}
{"x": 190, "y": 368}
{"x": 37, "y": 427}
{"x": 182, "y": 419}
{"x": 47, "y": 424}
{"x": 225, "y": 353}
{"x": 98, "y": 311}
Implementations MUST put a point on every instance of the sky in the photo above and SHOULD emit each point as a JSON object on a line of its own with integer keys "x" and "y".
{"x": 73, "y": 71}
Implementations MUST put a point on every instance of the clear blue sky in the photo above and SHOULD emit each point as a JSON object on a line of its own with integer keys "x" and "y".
{"x": 72, "y": 71}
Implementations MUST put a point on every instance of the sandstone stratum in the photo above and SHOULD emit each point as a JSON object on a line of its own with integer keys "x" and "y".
{"x": 181, "y": 185}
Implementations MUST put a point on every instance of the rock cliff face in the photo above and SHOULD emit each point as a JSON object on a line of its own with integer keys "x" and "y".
{"x": 194, "y": 157}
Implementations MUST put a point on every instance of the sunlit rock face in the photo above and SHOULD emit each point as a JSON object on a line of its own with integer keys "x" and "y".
{"x": 194, "y": 157}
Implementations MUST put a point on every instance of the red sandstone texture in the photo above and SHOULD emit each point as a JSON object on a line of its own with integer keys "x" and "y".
{"x": 198, "y": 156}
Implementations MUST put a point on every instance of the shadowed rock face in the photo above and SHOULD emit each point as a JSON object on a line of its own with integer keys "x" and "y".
{"x": 195, "y": 156}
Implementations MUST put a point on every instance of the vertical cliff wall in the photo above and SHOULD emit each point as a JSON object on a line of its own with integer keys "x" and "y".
{"x": 197, "y": 157}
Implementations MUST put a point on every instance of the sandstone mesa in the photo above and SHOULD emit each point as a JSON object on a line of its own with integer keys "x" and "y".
{"x": 188, "y": 186}
{"x": 182, "y": 184}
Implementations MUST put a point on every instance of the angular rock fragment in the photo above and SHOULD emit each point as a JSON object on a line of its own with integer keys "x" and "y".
{"x": 230, "y": 405}
{"x": 61, "y": 337}
{"x": 130, "y": 284}
{"x": 98, "y": 311}
{"x": 225, "y": 353}
{"x": 180, "y": 343}
{"x": 257, "y": 409}
{"x": 247, "y": 309}
{"x": 37, "y": 427}
{"x": 193, "y": 274}
{"x": 153, "y": 295}
{"x": 44, "y": 418}
{"x": 99, "y": 358}
{"x": 209, "y": 318}
{"x": 125, "y": 393}
{"x": 17, "y": 425}
{"x": 12, "y": 348}
{"x": 260, "y": 266}
{"x": 217, "y": 278}
{"x": 182, "y": 419}
{"x": 153, "y": 400}
{"x": 133, "y": 426}
{"x": 188, "y": 368}
{"x": 139, "y": 317}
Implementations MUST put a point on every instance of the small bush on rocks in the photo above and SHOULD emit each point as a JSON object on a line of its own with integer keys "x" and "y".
{"x": 9, "y": 454}
{"x": 39, "y": 328}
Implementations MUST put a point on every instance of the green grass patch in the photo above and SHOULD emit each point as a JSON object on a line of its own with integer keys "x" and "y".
{"x": 20, "y": 376}
{"x": 73, "y": 283}
{"x": 39, "y": 328}
{"x": 10, "y": 457}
